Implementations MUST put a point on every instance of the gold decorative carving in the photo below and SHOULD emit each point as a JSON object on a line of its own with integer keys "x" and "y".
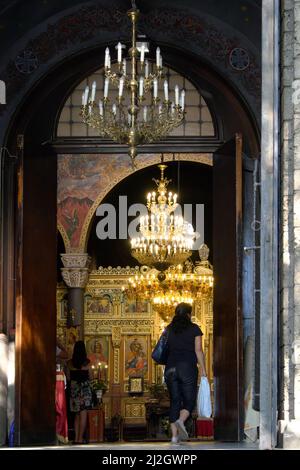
{"x": 135, "y": 411}
{"x": 116, "y": 336}
{"x": 118, "y": 271}
{"x": 117, "y": 365}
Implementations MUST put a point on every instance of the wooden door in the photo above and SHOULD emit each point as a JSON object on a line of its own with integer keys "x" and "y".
{"x": 227, "y": 256}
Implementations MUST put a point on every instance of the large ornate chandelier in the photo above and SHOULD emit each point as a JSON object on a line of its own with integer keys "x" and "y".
{"x": 165, "y": 238}
{"x": 129, "y": 120}
{"x": 183, "y": 283}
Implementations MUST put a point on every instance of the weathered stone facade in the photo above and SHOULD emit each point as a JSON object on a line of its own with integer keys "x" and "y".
{"x": 289, "y": 411}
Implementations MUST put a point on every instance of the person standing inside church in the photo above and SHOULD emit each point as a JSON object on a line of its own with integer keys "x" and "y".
{"x": 80, "y": 389}
{"x": 181, "y": 372}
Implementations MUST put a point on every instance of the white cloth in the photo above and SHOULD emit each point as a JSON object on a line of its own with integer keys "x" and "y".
{"x": 204, "y": 399}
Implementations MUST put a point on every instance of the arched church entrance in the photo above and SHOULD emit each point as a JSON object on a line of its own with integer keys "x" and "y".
{"x": 36, "y": 212}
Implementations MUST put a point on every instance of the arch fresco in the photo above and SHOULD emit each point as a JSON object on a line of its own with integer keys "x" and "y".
{"x": 85, "y": 180}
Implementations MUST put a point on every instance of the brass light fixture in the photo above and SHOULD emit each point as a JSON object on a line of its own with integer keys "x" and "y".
{"x": 165, "y": 238}
{"x": 182, "y": 283}
{"x": 129, "y": 120}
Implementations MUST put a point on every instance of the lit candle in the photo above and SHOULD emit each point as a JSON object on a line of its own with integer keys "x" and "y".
{"x": 114, "y": 109}
{"x": 141, "y": 88}
{"x": 121, "y": 87}
{"x": 119, "y": 48}
{"x": 145, "y": 119}
{"x": 146, "y": 68}
{"x": 157, "y": 57}
{"x": 106, "y": 84}
{"x": 176, "y": 95}
{"x": 93, "y": 91}
{"x": 182, "y": 99}
{"x": 155, "y": 89}
{"x": 166, "y": 90}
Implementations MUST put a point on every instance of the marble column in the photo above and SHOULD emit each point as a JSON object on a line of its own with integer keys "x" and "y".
{"x": 75, "y": 274}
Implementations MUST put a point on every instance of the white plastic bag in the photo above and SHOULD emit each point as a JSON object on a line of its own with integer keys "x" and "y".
{"x": 204, "y": 400}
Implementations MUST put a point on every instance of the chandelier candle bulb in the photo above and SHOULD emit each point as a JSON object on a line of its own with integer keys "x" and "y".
{"x": 114, "y": 109}
{"x": 106, "y": 85}
{"x": 142, "y": 53}
{"x": 182, "y": 99}
{"x": 141, "y": 87}
{"x": 101, "y": 108}
{"x": 155, "y": 88}
{"x": 157, "y": 57}
{"x": 119, "y": 49}
{"x": 86, "y": 95}
{"x": 106, "y": 59}
{"x": 124, "y": 66}
{"x": 176, "y": 95}
{"x": 121, "y": 87}
{"x": 93, "y": 91}
{"x": 166, "y": 90}
{"x": 145, "y": 117}
{"x": 146, "y": 68}
{"x": 83, "y": 99}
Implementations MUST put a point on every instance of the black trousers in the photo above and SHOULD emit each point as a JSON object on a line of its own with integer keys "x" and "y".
{"x": 181, "y": 381}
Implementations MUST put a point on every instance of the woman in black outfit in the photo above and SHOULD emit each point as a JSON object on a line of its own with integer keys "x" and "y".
{"x": 80, "y": 389}
{"x": 181, "y": 372}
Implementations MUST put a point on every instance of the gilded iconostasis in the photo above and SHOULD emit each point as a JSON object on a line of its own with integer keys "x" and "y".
{"x": 119, "y": 334}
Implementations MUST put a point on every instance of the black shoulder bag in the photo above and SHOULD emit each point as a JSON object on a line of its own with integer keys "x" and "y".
{"x": 161, "y": 350}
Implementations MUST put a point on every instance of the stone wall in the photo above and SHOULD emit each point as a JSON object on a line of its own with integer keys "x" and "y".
{"x": 289, "y": 396}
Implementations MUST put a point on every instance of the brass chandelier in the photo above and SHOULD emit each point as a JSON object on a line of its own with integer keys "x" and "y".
{"x": 129, "y": 120}
{"x": 165, "y": 238}
{"x": 182, "y": 283}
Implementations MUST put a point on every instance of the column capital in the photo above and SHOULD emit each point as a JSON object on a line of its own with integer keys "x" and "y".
{"x": 75, "y": 260}
{"x": 76, "y": 269}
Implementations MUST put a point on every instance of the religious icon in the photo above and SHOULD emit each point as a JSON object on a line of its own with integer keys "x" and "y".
{"x": 135, "y": 385}
{"x": 136, "y": 306}
{"x": 136, "y": 363}
{"x": 97, "y": 350}
{"x": 99, "y": 305}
